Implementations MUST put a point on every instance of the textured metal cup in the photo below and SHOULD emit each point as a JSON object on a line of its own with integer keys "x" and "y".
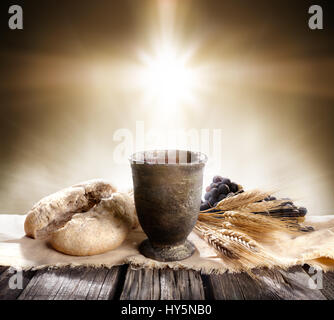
{"x": 167, "y": 192}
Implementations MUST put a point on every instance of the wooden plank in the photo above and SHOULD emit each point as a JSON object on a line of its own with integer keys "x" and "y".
{"x": 102, "y": 283}
{"x": 269, "y": 284}
{"x": 275, "y": 283}
{"x": 292, "y": 284}
{"x": 253, "y": 288}
{"x": 45, "y": 284}
{"x": 68, "y": 283}
{"x": 80, "y": 284}
{"x": 109, "y": 285}
{"x": 76, "y": 286}
{"x": 164, "y": 284}
{"x": 168, "y": 290}
{"x": 237, "y": 286}
{"x": 207, "y": 287}
{"x": 328, "y": 285}
{"x": 96, "y": 285}
{"x": 129, "y": 286}
{"x": 11, "y": 283}
{"x": 300, "y": 283}
{"x": 190, "y": 285}
{"x": 81, "y": 290}
{"x": 224, "y": 287}
{"x": 141, "y": 284}
{"x": 2, "y": 269}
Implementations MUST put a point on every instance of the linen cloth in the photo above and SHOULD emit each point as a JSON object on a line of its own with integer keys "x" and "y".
{"x": 315, "y": 248}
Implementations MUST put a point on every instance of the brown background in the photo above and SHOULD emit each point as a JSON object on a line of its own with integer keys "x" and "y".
{"x": 270, "y": 92}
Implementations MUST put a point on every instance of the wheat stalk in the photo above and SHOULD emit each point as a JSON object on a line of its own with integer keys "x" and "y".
{"x": 242, "y": 199}
{"x": 257, "y": 227}
{"x": 240, "y": 235}
{"x": 217, "y": 244}
{"x": 261, "y": 224}
{"x": 241, "y": 251}
{"x": 257, "y": 207}
{"x": 228, "y": 235}
{"x": 263, "y": 206}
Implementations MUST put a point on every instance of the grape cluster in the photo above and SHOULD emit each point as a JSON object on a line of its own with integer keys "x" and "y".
{"x": 218, "y": 190}
{"x": 285, "y": 209}
{"x": 221, "y": 187}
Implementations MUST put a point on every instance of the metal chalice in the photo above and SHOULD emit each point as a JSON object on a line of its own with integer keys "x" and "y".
{"x": 167, "y": 192}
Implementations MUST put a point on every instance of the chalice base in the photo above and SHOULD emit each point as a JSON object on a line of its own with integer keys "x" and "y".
{"x": 167, "y": 253}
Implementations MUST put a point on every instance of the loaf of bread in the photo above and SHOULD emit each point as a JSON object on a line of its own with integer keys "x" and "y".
{"x": 102, "y": 228}
{"x": 55, "y": 210}
{"x": 85, "y": 219}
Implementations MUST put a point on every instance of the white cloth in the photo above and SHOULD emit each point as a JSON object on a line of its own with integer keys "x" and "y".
{"x": 17, "y": 250}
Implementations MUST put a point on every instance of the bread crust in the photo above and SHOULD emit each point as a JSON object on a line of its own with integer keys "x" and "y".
{"x": 102, "y": 228}
{"x": 53, "y": 211}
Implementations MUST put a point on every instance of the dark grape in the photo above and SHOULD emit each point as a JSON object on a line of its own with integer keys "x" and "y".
{"x": 221, "y": 197}
{"x": 205, "y": 206}
{"x": 226, "y": 181}
{"x": 211, "y": 201}
{"x": 234, "y": 187}
{"x": 217, "y": 179}
{"x": 213, "y": 185}
{"x": 284, "y": 212}
{"x": 224, "y": 188}
{"x": 287, "y": 203}
{"x": 270, "y": 198}
{"x": 302, "y": 211}
{"x": 306, "y": 229}
{"x": 219, "y": 189}
{"x": 214, "y": 193}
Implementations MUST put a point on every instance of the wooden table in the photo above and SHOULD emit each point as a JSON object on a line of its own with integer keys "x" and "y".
{"x": 125, "y": 283}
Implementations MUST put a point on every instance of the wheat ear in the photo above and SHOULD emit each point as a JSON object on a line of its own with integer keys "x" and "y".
{"x": 261, "y": 228}
{"x": 216, "y": 243}
{"x": 230, "y": 235}
{"x": 262, "y": 206}
{"x": 242, "y": 199}
{"x": 233, "y": 246}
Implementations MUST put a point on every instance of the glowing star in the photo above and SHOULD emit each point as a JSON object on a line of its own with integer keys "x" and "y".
{"x": 167, "y": 79}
